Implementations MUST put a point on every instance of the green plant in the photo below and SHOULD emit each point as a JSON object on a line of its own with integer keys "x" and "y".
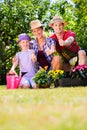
{"x": 44, "y": 78}
{"x": 80, "y": 71}
{"x": 41, "y": 78}
{"x": 55, "y": 75}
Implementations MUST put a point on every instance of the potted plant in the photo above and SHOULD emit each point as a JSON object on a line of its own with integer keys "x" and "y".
{"x": 79, "y": 72}
{"x": 55, "y": 76}
{"x": 41, "y": 78}
{"x": 76, "y": 77}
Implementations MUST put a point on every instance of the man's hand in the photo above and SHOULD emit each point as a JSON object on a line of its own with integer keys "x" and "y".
{"x": 67, "y": 42}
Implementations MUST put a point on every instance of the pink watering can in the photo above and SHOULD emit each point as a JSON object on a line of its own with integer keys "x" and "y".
{"x": 13, "y": 81}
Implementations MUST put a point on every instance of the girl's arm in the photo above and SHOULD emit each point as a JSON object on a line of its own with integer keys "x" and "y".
{"x": 14, "y": 65}
{"x": 12, "y": 70}
{"x": 33, "y": 57}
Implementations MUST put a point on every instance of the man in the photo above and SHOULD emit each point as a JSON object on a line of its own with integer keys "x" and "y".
{"x": 69, "y": 52}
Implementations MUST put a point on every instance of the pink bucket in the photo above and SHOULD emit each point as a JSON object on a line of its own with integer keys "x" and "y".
{"x": 13, "y": 81}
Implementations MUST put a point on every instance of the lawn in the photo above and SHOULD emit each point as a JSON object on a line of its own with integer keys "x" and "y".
{"x": 43, "y": 109}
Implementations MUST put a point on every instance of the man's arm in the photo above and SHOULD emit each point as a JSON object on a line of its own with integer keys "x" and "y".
{"x": 67, "y": 42}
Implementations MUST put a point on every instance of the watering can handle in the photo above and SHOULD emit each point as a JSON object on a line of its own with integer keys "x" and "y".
{"x": 23, "y": 73}
{"x": 12, "y": 72}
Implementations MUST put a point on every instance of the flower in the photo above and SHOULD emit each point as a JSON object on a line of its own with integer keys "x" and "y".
{"x": 80, "y": 71}
{"x": 41, "y": 78}
{"x": 45, "y": 78}
{"x": 55, "y": 75}
{"x": 7, "y": 48}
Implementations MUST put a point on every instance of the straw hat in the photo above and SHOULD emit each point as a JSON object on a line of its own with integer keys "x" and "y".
{"x": 23, "y": 36}
{"x": 56, "y": 19}
{"x": 35, "y": 24}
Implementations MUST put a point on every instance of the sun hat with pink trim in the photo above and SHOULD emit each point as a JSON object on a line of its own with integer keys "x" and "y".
{"x": 23, "y": 36}
{"x": 56, "y": 19}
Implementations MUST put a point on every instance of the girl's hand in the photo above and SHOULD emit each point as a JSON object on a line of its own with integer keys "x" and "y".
{"x": 34, "y": 58}
{"x": 12, "y": 72}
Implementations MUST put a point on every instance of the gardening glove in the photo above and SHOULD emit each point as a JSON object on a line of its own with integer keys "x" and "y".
{"x": 73, "y": 61}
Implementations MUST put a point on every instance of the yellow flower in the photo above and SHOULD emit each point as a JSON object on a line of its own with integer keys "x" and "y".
{"x": 62, "y": 72}
{"x": 50, "y": 72}
{"x": 41, "y": 69}
{"x": 46, "y": 67}
{"x": 59, "y": 72}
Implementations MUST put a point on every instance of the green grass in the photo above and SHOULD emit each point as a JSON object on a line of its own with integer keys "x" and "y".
{"x": 43, "y": 109}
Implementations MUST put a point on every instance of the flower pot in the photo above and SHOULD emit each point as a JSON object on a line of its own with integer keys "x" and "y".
{"x": 68, "y": 82}
{"x": 56, "y": 84}
{"x": 45, "y": 86}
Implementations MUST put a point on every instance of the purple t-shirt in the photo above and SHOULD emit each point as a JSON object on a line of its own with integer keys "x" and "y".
{"x": 25, "y": 62}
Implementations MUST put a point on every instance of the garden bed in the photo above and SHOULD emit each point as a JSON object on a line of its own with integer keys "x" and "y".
{"x": 68, "y": 82}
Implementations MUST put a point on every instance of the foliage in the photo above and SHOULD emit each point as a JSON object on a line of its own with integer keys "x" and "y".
{"x": 79, "y": 71}
{"x": 15, "y": 16}
{"x": 55, "y": 75}
{"x": 80, "y": 18}
{"x": 43, "y": 77}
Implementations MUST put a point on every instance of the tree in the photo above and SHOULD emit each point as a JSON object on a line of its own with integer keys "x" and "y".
{"x": 80, "y": 15}
{"x": 15, "y": 16}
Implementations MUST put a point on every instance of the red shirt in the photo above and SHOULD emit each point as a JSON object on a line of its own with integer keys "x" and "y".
{"x": 71, "y": 50}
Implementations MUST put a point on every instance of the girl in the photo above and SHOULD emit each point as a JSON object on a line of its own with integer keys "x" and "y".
{"x": 26, "y": 59}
